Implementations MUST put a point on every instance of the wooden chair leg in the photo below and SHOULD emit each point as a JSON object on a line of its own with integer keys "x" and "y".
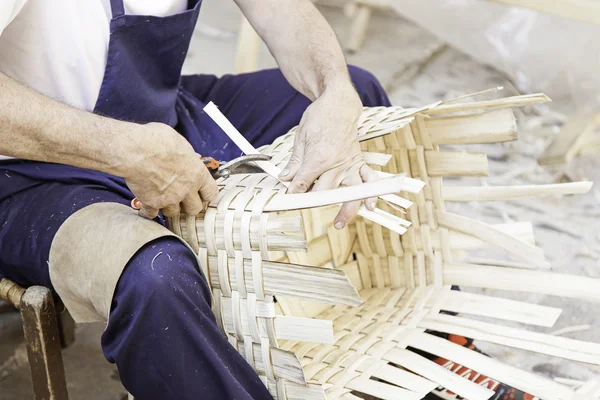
{"x": 40, "y": 326}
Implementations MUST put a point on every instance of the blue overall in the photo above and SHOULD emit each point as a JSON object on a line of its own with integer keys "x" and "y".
{"x": 162, "y": 334}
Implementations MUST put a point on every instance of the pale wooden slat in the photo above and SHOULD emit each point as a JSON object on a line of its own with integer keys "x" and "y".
{"x": 309, "y": 283}
{"x": 495, "y": 307}
{"x": 437, "y": 373}
{"x": 523, "y": 380}
{"x": 491, "y": 127}
{"x": 521, "y": 280}
{"x": 494, "y": 237}
{"x": 515, "y": 101}
{"x": 557, "y": 346}
{"x": 451, "y": 163}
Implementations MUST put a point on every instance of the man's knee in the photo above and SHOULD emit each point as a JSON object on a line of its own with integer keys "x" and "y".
{"x": 163, "y": 270}
{"x": 368, "y": 87}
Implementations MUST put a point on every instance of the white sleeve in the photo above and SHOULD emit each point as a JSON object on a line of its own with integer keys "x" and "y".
{"x": 8, "y": 11}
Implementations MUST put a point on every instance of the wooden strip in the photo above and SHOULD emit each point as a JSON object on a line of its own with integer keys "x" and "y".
{"x": 492, "y": 193}
{"x": 298, "y": 392}
{"x": 380, "y": 159}
{"x": 522, "y": 231}
{"x": 557, "y": 346}
{"x": 515, "y": 101}
{"x": 451, "y": 163}
{"x": 437, "y": 373}
{"x": 381, "y": 390}
{"x": 304, "y": 329}
{"x": 285, "y": 202}
{"x": 213, "y": 111}
{"x": 285, "y": 364}
{"x": 495, "y": 307}
{"x": 309, "y": 283}
{"x": 472, "y": 95}
{"x": 529, "y": 383}
{"x": 405, "y": 379}
{"x": 522, "y": 280}
{"x": 487, "y": 233}
{"x": 491, "y": 127}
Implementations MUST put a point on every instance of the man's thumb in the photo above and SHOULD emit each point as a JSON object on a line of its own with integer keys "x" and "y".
{"x": 293, "y": 166}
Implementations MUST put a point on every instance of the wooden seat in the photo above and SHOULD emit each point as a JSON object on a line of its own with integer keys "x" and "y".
{"x": 46, "y": 331}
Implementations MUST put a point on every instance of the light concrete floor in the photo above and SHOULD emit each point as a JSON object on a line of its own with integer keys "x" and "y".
{"x": 416, "y": 69}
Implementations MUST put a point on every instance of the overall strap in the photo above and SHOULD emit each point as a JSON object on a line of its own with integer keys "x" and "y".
{"x": 117, "y": 7}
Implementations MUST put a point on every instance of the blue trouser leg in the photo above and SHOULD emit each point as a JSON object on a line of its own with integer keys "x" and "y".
{"x": 163, "y": 335}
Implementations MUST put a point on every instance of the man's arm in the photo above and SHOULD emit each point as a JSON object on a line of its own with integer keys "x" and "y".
{"x": 310, "y": 57}
{"x": 159, "y": 166}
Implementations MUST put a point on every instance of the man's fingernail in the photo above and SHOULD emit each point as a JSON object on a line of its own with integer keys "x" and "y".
{"x": 339, "y": 225}
{"x": 285, "y": 172}
{"x": 372, "y": 205}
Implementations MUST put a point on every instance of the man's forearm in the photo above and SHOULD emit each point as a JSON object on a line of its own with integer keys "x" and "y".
{"x": 302, "y": 42}
{"x": 35, "y": 127}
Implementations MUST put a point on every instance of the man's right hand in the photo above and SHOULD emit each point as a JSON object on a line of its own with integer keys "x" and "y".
{"x": 167, "y": 174}
{"x": 158, "y": 164}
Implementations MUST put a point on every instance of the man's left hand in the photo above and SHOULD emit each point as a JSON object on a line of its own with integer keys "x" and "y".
{"x": 326, "y": 149}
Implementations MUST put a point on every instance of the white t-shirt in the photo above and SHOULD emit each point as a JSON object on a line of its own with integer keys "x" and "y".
{"x": 59, "y": 47}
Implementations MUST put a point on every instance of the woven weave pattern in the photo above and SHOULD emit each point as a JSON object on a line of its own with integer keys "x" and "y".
{"x": 350, "y": 302}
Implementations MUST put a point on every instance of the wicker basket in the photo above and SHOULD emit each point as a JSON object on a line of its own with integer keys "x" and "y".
{"x": 329, "y": 314}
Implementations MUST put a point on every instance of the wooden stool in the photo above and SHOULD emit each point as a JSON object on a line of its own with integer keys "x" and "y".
{"x": 45, "y": 334}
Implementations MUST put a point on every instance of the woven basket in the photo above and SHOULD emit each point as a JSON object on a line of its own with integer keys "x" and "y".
{"x": 329, "y": 314}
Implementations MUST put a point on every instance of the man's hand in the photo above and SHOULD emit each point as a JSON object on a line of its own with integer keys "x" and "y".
{"x": 166, "y": 174}
{"x": 326, "y": 148}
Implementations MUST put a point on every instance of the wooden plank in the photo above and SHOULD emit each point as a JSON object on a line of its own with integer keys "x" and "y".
{"x": 451, "y": 163}
{"x": 522, "y": 280}
{"x": 580, "y": 10}
{"x": 491, "y": 127}
{"x": 496, "y": 307}
{"x": 493, "y": 193}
